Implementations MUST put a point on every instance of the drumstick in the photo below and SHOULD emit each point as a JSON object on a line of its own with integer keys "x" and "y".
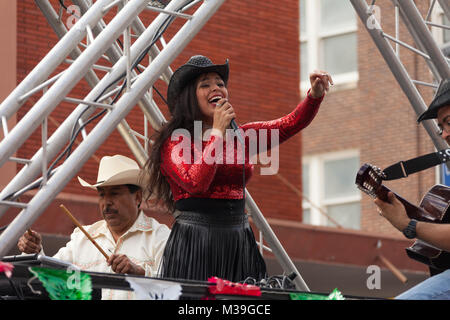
{"x": 84, "y": 231}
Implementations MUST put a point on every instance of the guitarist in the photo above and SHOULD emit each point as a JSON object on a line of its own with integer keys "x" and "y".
{"x": 438, "y": 235}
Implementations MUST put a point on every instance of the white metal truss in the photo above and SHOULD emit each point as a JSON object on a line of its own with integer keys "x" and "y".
{"x": 424, "y": 45}
{"x": 89, "y": 40}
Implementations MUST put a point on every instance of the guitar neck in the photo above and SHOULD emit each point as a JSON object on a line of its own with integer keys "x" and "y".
{"x": 412, "y": 211}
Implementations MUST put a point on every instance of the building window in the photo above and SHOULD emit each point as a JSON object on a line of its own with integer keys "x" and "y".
{"x": 440, "y": 34}
{"x": 446, "y": 32}
{"x": 328, "y": 40}
{"x": 330, "y": 196}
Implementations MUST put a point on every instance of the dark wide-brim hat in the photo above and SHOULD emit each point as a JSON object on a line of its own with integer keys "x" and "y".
{"x": 441, "y": 99}
{"x": 195, "y": 66}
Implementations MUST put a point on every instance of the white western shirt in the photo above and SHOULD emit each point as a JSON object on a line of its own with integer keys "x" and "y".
{"x": 143, "y": 244}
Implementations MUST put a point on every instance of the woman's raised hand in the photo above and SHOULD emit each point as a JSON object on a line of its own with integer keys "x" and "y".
{"x": 320, "y": 83}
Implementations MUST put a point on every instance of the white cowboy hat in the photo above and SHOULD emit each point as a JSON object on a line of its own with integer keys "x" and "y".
{"x": 117, "y": 170}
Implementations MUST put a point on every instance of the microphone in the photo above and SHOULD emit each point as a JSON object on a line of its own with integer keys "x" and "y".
{"x": 235, "y": 127}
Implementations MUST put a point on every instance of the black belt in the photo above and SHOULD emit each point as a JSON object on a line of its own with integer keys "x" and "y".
{"x": 217, "y": 212}
{"x": 217, "y": 220}
{"x": 211, "y": 206}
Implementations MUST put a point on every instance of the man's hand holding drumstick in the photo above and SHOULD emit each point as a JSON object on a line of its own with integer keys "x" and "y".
{"x": 119, "y": 263}
{"x": 31, "y": 242}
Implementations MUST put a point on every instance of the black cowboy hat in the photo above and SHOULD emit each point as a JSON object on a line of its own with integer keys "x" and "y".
{"x": 195, "y": 66}
{"x": 441, "y": 99}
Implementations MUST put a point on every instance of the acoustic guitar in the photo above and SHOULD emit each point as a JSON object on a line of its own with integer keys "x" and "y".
{"x": 433, "y": 208}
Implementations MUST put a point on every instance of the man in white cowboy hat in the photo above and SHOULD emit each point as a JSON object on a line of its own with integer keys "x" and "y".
{"x": 134, "y": 241}
{"x": 438, "y": 286}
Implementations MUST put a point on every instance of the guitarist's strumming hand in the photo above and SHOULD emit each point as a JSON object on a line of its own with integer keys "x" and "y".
{"x": 394, "y": 211}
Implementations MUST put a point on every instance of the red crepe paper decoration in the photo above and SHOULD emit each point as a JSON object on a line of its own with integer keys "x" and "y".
{"x": 222, "y": 286}
{"x": 6, "y": 268}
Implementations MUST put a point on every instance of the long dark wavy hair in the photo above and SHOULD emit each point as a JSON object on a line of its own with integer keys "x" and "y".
{"x": 184, "y": 111}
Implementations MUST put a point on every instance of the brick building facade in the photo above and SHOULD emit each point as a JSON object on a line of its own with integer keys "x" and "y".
{"x": 376, "y": 119}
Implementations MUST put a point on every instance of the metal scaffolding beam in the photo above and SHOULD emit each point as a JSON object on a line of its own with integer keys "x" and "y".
{"x": 427, "y": 48}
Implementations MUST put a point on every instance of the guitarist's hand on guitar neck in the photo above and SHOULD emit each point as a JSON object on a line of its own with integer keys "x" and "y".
{"x": 393, "y": 210}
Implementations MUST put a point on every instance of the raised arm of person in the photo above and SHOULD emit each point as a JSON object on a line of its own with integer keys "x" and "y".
{"x": 290, "y": 124}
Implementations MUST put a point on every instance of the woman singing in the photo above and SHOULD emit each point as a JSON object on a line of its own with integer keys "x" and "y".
{"x": 203, "y": 183}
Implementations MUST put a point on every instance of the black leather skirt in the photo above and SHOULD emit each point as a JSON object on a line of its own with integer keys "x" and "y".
{"x": 212, "y": 237}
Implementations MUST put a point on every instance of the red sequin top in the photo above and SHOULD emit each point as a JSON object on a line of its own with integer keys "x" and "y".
{"x": 213, "y": 168}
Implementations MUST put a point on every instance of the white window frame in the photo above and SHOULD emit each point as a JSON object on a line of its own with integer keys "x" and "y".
{"x": 437, "y": 16}
{"x": 316, "y": 183}
{"x": 313, "y": 39}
